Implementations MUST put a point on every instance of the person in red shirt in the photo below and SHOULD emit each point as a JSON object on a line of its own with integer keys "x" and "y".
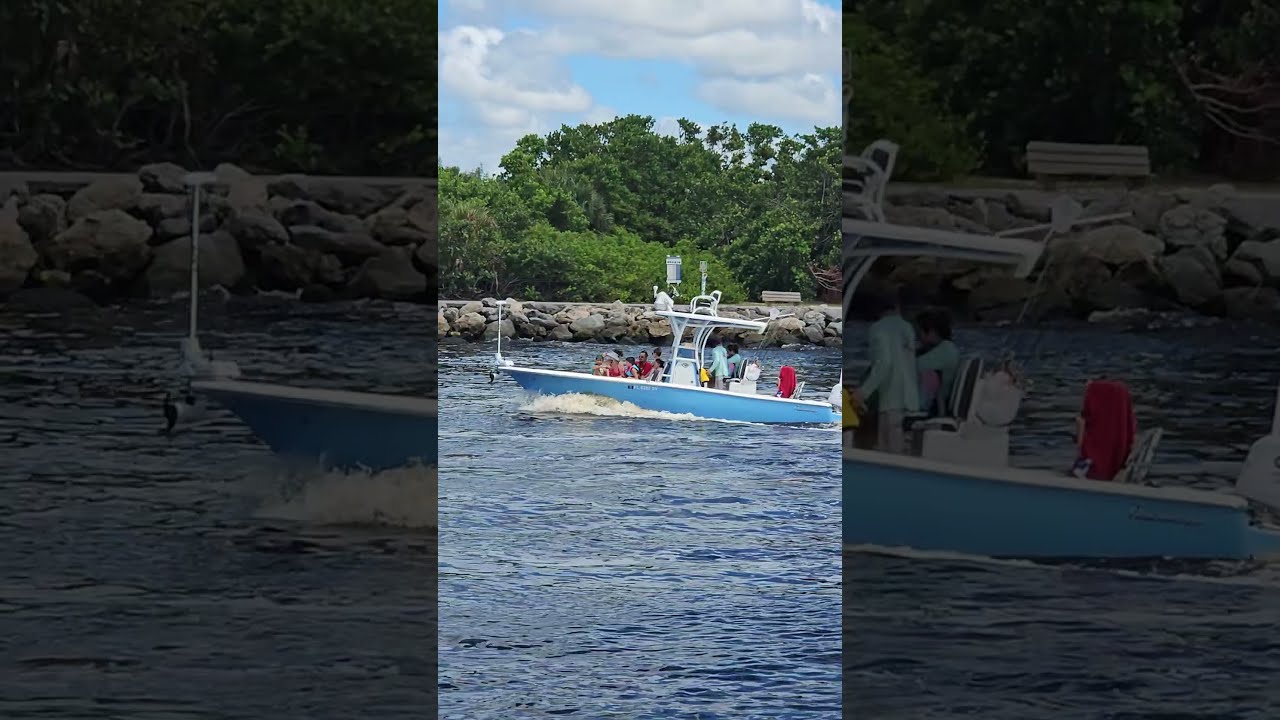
{"x": 642, "y": 362}
{"x": 615, "y": 365}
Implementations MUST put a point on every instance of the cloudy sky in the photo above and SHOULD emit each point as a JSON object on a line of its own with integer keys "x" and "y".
{"x": 512, "y": 67}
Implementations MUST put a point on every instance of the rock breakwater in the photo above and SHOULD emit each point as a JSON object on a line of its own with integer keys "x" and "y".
{"x": 114, "y": 237}
{"x": 477, "y": 321}
{"x": 1214, "y": 251}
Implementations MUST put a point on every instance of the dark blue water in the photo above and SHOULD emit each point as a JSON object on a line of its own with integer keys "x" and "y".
{"x": 143, "y": 576}
{"x": 947, "y": 638}
{"x": 601, "y": 563}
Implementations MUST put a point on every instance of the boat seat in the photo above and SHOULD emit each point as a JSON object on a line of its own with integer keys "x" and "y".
{"x": 1138, "y": 464}
{"x": 799, "y": 389}
{"x": 742, "y": 387}
{"x": 963, "y": 402}
{"x": 684, "y": 372}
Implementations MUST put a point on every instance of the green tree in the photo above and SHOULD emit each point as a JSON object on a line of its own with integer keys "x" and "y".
{"x": 590, "y": 212}
{"x": 1193, "y": 80}
{"x": 290, "y": 85}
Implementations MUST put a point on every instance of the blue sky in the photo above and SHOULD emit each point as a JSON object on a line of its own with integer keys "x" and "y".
{"x": 511, "y": 67}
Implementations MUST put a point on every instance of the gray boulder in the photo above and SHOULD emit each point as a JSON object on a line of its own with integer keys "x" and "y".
{"x": 43, "y": 216}
{"x": 110, "y": 242}
{"x": 390, "y": 275}
{"x": 17, "y": 256}
{"x": 112, "y": 193}
{"x": 220, "y": 264}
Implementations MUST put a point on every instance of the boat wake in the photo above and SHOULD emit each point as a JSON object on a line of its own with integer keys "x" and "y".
{"x": 401, "y": 498}
{"x": 582, "y": 404}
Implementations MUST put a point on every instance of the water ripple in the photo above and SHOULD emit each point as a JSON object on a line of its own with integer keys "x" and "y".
{"x": 930, "y": 636}
{"x": 599, "y": 560}
{"x": 145, "y": 576}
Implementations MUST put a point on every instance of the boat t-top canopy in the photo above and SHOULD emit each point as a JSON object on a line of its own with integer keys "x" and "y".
{"x": 868, "y": 235}
{"x": 864, "y": 241}
{"x": 688, "y": 319}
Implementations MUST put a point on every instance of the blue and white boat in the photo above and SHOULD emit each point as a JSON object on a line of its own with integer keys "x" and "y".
{"x": 678, "y": 389}
{"x": 313, "y": 427}
{"x": 958, "y": 492}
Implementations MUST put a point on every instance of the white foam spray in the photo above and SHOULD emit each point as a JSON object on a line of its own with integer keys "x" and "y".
{"x": 402, "y": 498}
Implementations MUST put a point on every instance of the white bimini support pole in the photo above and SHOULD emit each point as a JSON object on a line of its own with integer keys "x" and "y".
{"x": 1275, "y": 418}
{"x": 195, "y": 364}
{"x": 192, "y": 320}
{"x": 497, "y": 357}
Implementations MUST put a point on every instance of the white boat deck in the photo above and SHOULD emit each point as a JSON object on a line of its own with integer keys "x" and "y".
{"x": 402, "y": 404}
{"x": 1048, "y": 480}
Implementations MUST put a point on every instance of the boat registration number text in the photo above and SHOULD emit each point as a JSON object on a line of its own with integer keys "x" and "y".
{"x": 1139, "y": 513}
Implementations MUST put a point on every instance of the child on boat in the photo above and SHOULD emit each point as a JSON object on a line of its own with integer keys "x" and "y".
{"x": 630, "y": 368}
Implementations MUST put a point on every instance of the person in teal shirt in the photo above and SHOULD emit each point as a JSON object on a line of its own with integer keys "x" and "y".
{"x": 719, "y": 367}
{"x": 938, "y": 354}
{"x": 892, "y": 385}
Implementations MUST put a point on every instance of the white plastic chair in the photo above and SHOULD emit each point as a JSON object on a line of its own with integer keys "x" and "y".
{"x": 865, "y": 178}
{"x": 705, "y": 304}
{"x": 1138, "y": 464}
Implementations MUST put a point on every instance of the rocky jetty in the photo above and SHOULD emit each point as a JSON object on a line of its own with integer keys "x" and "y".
{"x": 477, "y": 321}
{"x": 1213, "y": 251}
{"x": 115, "y": 237}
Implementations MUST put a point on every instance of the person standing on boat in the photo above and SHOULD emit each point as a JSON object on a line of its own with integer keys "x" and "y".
{"x": 718, "y": 369}
{"x": 938, "y": 354}
{"x": 892, "y": 386}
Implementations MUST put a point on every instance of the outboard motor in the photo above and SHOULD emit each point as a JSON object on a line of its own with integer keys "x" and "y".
{"x": 1259, "y": 480}
{"x": 182, "y": 410}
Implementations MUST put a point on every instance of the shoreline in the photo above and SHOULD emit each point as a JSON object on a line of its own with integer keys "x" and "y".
{"x": 112, "y": 237}
{"x": 1212, "y": 251}
{"x": 476, "y": 321}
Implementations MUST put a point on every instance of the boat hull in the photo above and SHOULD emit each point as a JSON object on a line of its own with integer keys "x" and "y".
{"x": 896, "y": 502}
{"x": 333, "y": 429}
{"x": 697, "y": 401}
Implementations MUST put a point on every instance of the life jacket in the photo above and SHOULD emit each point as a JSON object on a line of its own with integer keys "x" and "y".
{"x": 849, "y": 419}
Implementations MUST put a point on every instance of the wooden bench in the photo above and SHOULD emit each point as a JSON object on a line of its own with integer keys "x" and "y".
{"x": 775, "y": 296}
{"x": 1047, "y": 160}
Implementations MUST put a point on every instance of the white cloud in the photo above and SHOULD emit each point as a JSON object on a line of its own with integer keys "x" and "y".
{"x": 689, "y": 17}
{"x": 765, "y": 58}
{"x": 812, "y": 98}
{"x": 600, "y": 114}
{"x": 504, "y": 74}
